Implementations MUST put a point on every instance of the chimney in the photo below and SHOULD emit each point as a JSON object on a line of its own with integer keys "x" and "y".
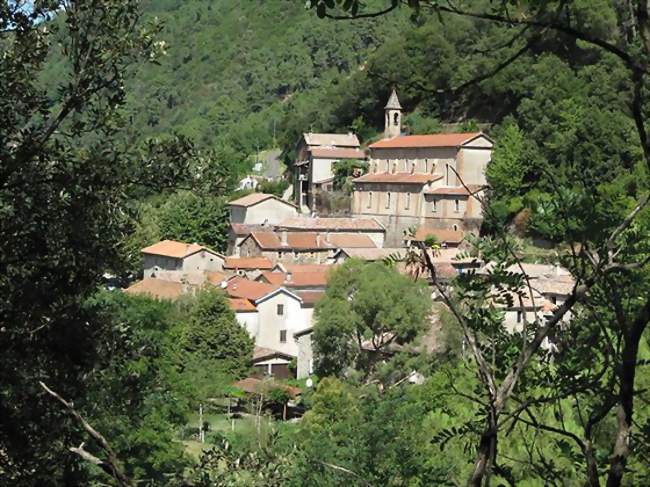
{"x": 283, "y": 237}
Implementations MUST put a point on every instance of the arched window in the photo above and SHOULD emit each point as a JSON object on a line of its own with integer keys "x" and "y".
{"x": 370, "y": 199}
{"x": 408, "y": 201}
{"x": 434, "y": 205}
{"x": 447, "y": 175}
{"x": 387, "y": 200}
{"x": 396, "y": 118}
{"x": 456, "y": 206}
{"x": 455, "y": 227}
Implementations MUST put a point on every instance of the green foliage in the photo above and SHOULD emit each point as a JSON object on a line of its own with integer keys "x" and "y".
{"x": 273, "y": 187}
{"x": 191, "y": 217}
{"x": 344, "y": 171}
{"x": 366, "y": 302}
{"x": 212, "y": 333}
{"x": 136, "y": 394}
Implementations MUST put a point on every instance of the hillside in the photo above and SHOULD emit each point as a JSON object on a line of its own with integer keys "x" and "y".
{"x": 232, "y": 67}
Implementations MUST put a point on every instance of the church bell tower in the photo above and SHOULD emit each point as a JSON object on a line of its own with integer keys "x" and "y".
{"x": 393, "y": 114}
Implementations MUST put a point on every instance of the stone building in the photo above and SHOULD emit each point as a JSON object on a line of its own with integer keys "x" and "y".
{"x": 316, "y": 156}
{"x": 422, "y": 180}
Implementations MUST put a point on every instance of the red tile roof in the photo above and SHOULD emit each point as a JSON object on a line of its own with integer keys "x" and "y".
{"x": 215, "y": 277}
{"x": 456, "y": 190}
{"x": 262, "y": 353}
{"x": 241, "y": 305}
{"x": 296, "y": 279}
{"x": 338, "y": 224}
{"x": 337, "y": 153}
{"x": 442, "y": 235}
{"x": 432, "y": 140}
{"x": 352, "y": 240}
{"x": 252, "y": 385}
{"x": 248, "y": 263}
{"x": 310, "y": 297}
{"x": 398, "y": 177}
{"x": 172, "y": 248}
{"x": 239, "y": 287}
{"x": 245, "y": 228}
{"x": 156, "y": 288}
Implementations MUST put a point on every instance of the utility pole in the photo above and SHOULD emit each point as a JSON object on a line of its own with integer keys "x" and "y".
{"x": 201, "y": 432}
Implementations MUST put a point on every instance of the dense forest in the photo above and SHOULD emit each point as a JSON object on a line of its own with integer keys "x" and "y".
{"x": 122, "y": 123}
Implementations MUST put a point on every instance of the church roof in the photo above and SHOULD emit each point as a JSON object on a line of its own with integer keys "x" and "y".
{"x": 331, "y": 140}
{"x": 393, "y": 102}
{"x": 433, "y": 140}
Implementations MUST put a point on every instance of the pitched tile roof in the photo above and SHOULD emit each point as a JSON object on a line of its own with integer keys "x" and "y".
{"x": 310, "y": 240}
{"x": 338, "y": 224}
{"x": 241, "y": 305}
{"x": 432, "y": 140}
{"x": 296, "y": 279}
{"x": 246, "y": 228}
{"x": 459, "y": 190}
{"x": 442, "y": 235}
{"x": 239, "y": 287}
{"x": 156, "y": 288}
{"x": 215, "y": 277}
{"x": 310, "y": 298}
{"x": 352, "y": 240}
{"x": 261, "y": 353}
{"x": 255, "y": 198}
{"x": 172, "y": 248}
{"x": 306, "y": 267}
{"x": 247, "y": 263}
{"x": 398, "y": 177}
{"x": 334, "y": 140}
{"x": 337, "y": 153}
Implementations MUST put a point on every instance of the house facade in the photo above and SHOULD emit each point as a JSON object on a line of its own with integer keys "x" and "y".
{"x": 422, "y": 180}
{"x": 174, "y": 260}
{"x": 256, "y": 211}
{"x": 316, "y": 156}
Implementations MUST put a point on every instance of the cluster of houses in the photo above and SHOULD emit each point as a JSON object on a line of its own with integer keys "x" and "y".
{"x": 280, "y": 254}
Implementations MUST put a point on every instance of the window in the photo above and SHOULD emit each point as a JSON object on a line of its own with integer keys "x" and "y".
{"x": 456, "y": 206}
{"x": 408, "y": 201}
{"x": 434, "y": 205}
{"x": 447, "y": 174}
{"x": 280, "y": 309}
{"x": 387, "y": 200}
{"x": 396, "y": 119}
{"x": 283, "y": 336}
{"x": 370, "y": 199}
{"x": 519, "y": 316}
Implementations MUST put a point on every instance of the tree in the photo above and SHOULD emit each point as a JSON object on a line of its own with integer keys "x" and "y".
{"x": 212, "y": 334}
{"x": 367, "y": 311}
{"x": 191, "y": 217}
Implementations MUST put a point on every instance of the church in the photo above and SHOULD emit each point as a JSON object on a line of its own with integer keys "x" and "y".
{"x": 422, "y": 181}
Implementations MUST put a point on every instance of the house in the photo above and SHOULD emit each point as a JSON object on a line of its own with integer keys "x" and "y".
{"x": 249, "y": 267}
{"x": 305, "y": 247}
{"x": 422, "y": 180}
{"x": 280, "y": 313}
{"x": 175, "y": 259}
{"x": 296, "y": 280}
{"x": 157, "y": 288}
{"x": 269, "y": 362}
{"x": 256, "y": 211}
{"x": 366, "y": 226}
{"x": 316, "y": 156}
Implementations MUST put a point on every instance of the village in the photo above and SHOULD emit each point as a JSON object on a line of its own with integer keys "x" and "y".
{"x": 417, "y": 188}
